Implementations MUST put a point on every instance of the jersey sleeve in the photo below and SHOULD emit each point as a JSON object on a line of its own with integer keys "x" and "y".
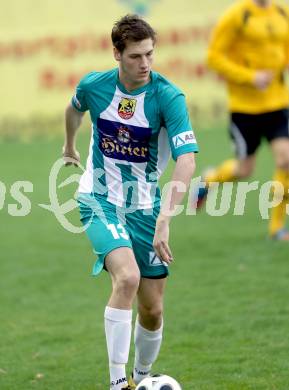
{"x": 285, "y": 11}
{"x": 177, "y": 122}
{"x": 79, "y": 100}
{"x": 222, "y": 40}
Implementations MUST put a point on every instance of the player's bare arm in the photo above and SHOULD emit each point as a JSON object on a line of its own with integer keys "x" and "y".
{"x": 182, "y": 174}
{"x": 73, "y": 119}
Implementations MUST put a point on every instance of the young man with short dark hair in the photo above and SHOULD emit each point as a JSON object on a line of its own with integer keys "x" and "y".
{"x": 138, "y": 119}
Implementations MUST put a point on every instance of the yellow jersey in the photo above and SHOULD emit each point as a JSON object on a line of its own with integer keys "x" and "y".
{"x": 249, "y": 38}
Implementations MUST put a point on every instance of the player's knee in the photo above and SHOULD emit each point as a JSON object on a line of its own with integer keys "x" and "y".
{"x": 282, "y": 156}
{"x": 245, "y": 171}
{"x": 283, "y": 163}
{"x": 127, "y": 283}
{"x": 151, "y": 314}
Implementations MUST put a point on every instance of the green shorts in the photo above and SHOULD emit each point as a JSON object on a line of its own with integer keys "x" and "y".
{"x": 109, "y": 227}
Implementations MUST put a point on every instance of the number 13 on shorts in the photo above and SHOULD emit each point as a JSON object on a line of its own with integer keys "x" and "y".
{"x": 118, "y": 231}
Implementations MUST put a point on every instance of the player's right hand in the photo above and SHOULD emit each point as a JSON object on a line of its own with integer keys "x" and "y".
{"x": 263, "y": 79}
{"x": 161, "y": 240}
{"x": 70, "y": 156}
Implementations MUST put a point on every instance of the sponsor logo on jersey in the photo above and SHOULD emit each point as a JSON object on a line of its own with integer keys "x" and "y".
{"x": 123, "y": 134}
{"x": 112, "y": 148}
{"x": 126, "y": 108}
{"x": 123, "y": 142}
{"x": 156, "y": 261}
{"x": 184, "y": 138}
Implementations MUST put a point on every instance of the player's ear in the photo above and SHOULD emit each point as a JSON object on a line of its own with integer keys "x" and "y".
{"x": 117, "y": 54}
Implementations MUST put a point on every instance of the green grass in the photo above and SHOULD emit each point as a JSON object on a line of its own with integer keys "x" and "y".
{"x": 227, "y": 311}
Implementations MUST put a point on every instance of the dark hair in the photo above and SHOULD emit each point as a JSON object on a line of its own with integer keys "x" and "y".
{"x": 131, "y": 28}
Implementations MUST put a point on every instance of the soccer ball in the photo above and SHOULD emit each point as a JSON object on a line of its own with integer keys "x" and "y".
{"x": 159, "y": 382}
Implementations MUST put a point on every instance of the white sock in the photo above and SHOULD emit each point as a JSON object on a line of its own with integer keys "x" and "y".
{"x": 118, "y": 332}
{"x": 147, "y": 347}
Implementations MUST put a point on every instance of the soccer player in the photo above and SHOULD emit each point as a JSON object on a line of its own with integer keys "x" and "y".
{"x": 138, "y": 119}
{"x": 250, "y": 49}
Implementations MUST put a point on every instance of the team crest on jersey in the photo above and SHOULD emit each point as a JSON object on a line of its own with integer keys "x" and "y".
{"x": 126, "y": 108}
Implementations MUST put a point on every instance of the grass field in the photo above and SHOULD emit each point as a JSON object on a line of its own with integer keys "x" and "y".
{"x": 227, "y": 307}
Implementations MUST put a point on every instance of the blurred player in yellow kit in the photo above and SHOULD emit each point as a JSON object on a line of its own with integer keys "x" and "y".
{"x": 250, "y": 49}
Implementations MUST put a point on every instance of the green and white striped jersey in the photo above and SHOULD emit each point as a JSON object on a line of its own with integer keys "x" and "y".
{"x": 133, "y": 135}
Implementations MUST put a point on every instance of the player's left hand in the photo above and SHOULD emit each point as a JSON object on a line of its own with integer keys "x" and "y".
{"x": 161, "y": 240}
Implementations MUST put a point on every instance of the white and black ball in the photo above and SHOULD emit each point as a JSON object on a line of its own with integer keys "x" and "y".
{"x": 159, "y": 382}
